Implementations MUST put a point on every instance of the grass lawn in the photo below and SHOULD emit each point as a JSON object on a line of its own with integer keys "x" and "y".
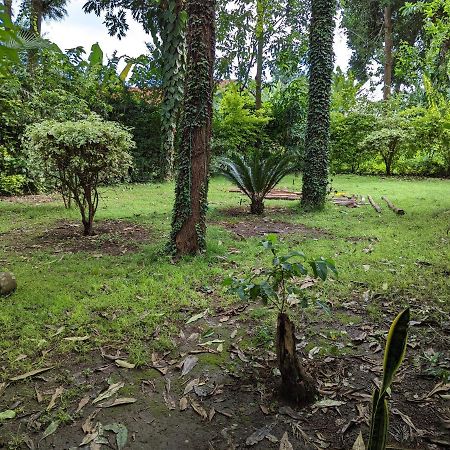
{"x": 136, "y": 300}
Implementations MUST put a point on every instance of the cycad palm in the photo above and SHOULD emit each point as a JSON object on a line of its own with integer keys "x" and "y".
{"x": 256, "y": 175}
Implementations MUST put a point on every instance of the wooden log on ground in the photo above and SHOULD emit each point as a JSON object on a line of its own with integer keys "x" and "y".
{"x": 376, "y": 207}
{"x": 398, "y": 211}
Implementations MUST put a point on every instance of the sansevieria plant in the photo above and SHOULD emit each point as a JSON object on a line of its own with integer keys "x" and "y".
{"x": 393, "y": 356}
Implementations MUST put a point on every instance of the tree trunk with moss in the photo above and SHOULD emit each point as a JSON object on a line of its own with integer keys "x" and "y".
{"x": 297, "y": 384}
{"x": 189, "y": 224}
{"x": 315, "y": 173}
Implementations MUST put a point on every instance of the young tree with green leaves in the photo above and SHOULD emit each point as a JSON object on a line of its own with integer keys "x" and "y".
{"x": 188, "y": 234}
{"x": 315, "y": 172}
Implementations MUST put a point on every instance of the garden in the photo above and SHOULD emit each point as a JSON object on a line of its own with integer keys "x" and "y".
{"x": 227, "y": 242}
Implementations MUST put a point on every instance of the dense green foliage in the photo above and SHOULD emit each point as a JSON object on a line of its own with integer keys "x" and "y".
{"x": 256, "y": 174}
{"x": 77, "y": 156}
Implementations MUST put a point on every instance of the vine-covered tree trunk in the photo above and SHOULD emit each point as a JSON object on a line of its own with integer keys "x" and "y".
{"x": 388, "y": 44}
{"x": 296, "y": 382}
{"x": 315, "y": 173}
{"x": 188, "y": 224}
{"x": 173, "y": 55}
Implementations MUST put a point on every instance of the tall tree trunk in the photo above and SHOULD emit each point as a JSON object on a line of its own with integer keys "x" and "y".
{"x": 188, "y": 224}
{"x": 8, "y": 8}
{"x": 388, "y": 44}
{"x": 36, "y": 13}
{"x": 315, "y": 173}
{"x": 173, "y": 54}
{"x": 260, "y": 52}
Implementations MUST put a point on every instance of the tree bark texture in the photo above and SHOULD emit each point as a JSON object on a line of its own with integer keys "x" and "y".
{"x": 260, "y": 52}
{"x": 297, "y": 384}
{"x": 188, "y": 224}
{"x": 8, "y": 8}
{"x": 388, "y": 44}
{"x": 315, "y": 173}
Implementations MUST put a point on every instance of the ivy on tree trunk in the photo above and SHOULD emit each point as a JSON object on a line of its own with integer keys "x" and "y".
{"x": 188, "y": 223}
{"x": 173, "y": 56}
{"x": 315, "y": 173}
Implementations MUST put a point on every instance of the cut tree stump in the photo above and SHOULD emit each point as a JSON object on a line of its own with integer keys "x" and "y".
{"x": 376, "y": 207}
{"x": 398, "y": 211}
{"x": 297, "y": 384}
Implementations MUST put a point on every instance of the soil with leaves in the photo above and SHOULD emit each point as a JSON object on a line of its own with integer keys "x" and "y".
{"x": 125, "y": 350}
{"x": 216, "y": 392}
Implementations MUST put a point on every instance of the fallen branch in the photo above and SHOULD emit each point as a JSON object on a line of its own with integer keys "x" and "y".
{"x": 398, "y": 211}
{"x": 376, "y": 207}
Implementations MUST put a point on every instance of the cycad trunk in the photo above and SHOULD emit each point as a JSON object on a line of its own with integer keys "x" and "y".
{"x": 315, "y": 173}
{"x": 257, "y": 206}
{"x": 188, "y": 224}
{"x": 297, "y": 384}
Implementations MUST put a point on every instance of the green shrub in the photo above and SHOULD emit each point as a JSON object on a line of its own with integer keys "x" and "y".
{"x": 12, "y": 184}
{"x": 237, "y": 126}
{"x": 76, "y": 157}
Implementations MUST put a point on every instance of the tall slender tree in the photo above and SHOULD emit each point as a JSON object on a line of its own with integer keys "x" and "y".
{"x": 8, "y": 8}
{"x": 315, "y": 173}
{"x": 188, "y": 224}
{"x": 165, "y": 20}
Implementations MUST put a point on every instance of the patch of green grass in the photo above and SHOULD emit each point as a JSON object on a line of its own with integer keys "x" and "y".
{"x": 126, "y": 300}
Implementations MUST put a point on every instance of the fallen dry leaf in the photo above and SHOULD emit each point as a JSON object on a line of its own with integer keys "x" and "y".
{"x": 113, "y": 388}
{"x": 284, "y": 443}
{"x": 199, "y": 409}
{"x": 196, "y": 317}
{"x": 117, "y": 402}
{"x": 83, "y": 402}
{"x": 259, "y": 435}
{"x": 188, "y": 364}
{"x": 55, "y": 396}
{"x": 190, "y": 386}
{"x": 77, "y": 338}
{"x": 31, "y": 374}
{"x": 183, "y": 403}
{"x": 124, "y": 364}
{"x": 359, "y": 443}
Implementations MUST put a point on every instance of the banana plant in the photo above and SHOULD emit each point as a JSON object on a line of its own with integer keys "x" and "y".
{"x": 393, "y": 356}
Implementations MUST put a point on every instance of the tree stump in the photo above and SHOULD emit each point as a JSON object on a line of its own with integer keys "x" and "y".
{"x": 297, "y": 384}
{"x": 8, "y": 283}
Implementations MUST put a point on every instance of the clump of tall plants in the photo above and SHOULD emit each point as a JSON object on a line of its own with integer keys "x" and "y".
{"x": 273, "y": 285}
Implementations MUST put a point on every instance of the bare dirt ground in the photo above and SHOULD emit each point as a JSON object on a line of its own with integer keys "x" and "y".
{"x": 112, "y": 237}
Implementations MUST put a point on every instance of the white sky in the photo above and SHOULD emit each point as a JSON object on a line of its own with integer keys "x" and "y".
{"x": 80, "y": 29}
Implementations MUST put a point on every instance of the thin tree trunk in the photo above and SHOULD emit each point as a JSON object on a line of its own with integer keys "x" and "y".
{"x": 315, "y": 173}
{"x": 297, "y": 384}
{"x": 8, "y": 8}
{"x": 188, "y": 225}
{"x": 35, "y": 28}
{"x": 388, "y": 44}
{"x": 260, "y": 52}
